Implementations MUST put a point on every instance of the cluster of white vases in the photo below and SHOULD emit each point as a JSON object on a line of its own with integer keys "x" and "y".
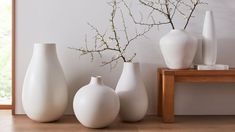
{"x": 45, "y": 94}
{"x": 179, "y": 47}
{"x": 96, "y": 105}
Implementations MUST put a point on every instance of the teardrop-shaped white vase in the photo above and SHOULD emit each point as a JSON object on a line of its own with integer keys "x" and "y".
{"x": 96, "y": 105}
{"x": 44, "y": 94}
{"x": 132, "y": 93}
{"x": 209, "y": 43}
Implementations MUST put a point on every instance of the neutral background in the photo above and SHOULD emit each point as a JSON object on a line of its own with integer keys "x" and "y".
{"x": 65, "y": 23}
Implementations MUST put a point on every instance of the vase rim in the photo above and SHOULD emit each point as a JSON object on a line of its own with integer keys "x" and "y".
{"x": 44, "y": 44}
{"x": 131, "y": 62}
{"x": 209, "y": 11}
{"x": 96, "y": 76}
{"x": 177, "y": 30}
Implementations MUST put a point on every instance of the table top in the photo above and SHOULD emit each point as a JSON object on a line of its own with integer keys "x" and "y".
{"x": 191, "y": 72}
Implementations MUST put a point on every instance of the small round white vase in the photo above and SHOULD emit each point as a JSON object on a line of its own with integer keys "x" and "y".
{"x": 44, "y": 94}
{"x": 178, "y": 48}
{"x": 96, "y": 105}
{"x": 132, "y": 93}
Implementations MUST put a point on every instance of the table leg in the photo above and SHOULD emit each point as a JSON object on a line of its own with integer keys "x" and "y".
{"x": 159, "y": 97}
{"x": 168, "y": 83}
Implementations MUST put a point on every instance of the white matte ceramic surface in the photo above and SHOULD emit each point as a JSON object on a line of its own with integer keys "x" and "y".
{"x": 209, "y": 43}
{"x": 132, "y": 93}
{"x": 178, "y": 48}
{"x": 96, "y": 105}
{"x": 44, "y": 94}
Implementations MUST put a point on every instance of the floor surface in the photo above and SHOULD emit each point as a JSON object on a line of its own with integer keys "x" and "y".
{"x": 21, "y": 123}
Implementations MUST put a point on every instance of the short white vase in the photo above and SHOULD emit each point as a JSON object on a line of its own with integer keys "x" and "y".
{"x": 96, "y": 105}
{"x": 178, "y": 48}
{"x": 44, "y": 94}
{"x": 132, "y": 93}
{"x": 209, "y": 41}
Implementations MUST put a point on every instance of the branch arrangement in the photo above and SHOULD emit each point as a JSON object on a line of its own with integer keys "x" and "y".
{"x": 114, "y": 40}
{"x": 168, "y": 9}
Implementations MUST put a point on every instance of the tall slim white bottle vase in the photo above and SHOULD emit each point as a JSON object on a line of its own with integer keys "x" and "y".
{"x": 209, "y": 42}
{"x": 44, "y": 94}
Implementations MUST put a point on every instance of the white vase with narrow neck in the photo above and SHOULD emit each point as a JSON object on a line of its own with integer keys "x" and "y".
{"x": 44, "y": 94}
{"x": 209, "y": 43}
{"x": 132, "y": 93}
{"x": 96, "y": 105}
{"x": 178, "y": 48}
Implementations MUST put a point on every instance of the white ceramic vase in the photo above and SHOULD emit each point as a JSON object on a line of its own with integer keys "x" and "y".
{"x": 44, "y": 94}
{"x": 178, "y": 48}
{"x": 132, "y": 93}
{"x": 209, "y": 43}
{"x": 96, "y": 105}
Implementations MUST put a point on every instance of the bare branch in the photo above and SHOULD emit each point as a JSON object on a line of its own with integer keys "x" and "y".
{"x": 112, "y": 40}
{"x": 124, "y": 26}
{"x": 191, "y": 12}
{"x": 168, "y": 9}
{"x": 152, "y": 6}
{"x": 136, "y": 36}
{"x": 116, "y": 38}
{"x": 130, "y": 60}
{"x": 175, "y": 8}
{"x": 110, "y": 61}
{"x": 168, "y": 14}
{"x": 154, "y": 23}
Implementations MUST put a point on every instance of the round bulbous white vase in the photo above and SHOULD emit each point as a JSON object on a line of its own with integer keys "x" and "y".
{"x": 44, "y": 95}
{"x": 96, "y": 105}
{"x": 132, "y": 93}
{"x": 209, "y": 41}
{"x": 178, "y": 48}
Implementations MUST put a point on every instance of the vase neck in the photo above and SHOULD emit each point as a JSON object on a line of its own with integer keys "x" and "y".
{"x": 96, "y": 80}
{"x": 177, "y": 30}
{"x": 47, "y": 50}
{"x": 209, "y": 12}
{"x": 134, "y": 67}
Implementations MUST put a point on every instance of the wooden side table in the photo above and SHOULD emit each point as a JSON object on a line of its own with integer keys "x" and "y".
{"x": 167, "y": 79}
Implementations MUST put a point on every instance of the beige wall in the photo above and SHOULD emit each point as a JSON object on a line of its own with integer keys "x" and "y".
{"x": 64, "y": 22}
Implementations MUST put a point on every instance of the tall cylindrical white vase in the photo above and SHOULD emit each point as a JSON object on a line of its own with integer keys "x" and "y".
{"x": 209, "y": 43}
{"x": 132, "y": 93}
{"x": 44, "y": 94}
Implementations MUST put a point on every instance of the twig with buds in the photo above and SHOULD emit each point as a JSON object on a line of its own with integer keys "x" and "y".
{"x": 167, "y": 8}
{"x": 115, "y": 43}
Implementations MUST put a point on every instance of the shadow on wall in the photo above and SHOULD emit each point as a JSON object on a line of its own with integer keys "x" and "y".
{"x": 149, "y": 75}
{"x": 226, "y": 51}
{"x": 74, "y": 85}
{"x": 208, "y": 99}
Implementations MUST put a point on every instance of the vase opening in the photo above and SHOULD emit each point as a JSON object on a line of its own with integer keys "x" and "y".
{"x": 47, "y": 50}
{"x": 131, "y": 64}
{"x": 48, "y": 43}
{"x": 177, "y": 30}
{"x": 45, "y": 44}
{"x": 96, "y": 80}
